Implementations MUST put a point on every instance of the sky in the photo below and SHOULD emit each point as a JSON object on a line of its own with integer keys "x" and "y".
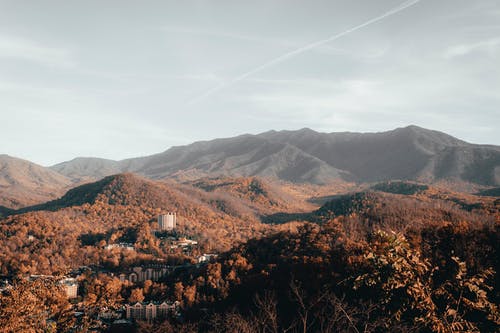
{"x": 120, "y": 79}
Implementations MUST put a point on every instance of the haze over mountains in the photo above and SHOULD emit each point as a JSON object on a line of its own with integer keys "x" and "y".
{"x": 301, "y": 156}
{"x": 411, "y": 153}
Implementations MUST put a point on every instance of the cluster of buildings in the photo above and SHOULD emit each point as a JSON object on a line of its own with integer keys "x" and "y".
{"x": 124, "y": 317}
{"x": 140, "y": 311}
{"x": 141, "y": 274}
{"x": 167, "y": 224}
{"x": 150, "y": 311}
{"x": 183, "y": 243}
{"x": 155, "y": 272}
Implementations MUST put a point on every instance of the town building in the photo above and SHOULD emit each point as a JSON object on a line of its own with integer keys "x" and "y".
{"x": 206, "y": 257}
{"x": 183, "y": 243}
{"x": 167, "y": 221}
{"x": 149, "y": 311}
{"x": 109, "y": 315}
{"x": 141, "y": 274}
{"x": 70, "y": 286}
{"x": 5, "y": 285}
{"x": 125, "y": 246}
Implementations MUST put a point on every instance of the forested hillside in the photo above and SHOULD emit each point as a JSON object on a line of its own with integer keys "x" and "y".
{"x": 73, "y": 230}
{"x": 394, "y": 257}
{"x": 439, "y": 279}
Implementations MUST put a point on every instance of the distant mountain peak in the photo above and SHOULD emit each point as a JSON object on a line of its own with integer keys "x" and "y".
{"x": 430, "y": 134}
{"x": 415, "y": 127}
{"x": 306, "y": 156}
{"x": 306, "y": 130}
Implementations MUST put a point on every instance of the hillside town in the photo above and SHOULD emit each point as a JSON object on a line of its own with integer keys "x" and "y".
{"x": 74, "y": 284}
{"x": 272, "y": 166}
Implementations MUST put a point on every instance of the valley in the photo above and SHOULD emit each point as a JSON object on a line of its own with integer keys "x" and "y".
{"x": 252, "y": 246}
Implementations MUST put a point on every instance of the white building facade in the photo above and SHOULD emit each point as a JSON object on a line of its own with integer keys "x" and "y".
{"x": 167, "y": 221}
{"x": 151, "y": 311}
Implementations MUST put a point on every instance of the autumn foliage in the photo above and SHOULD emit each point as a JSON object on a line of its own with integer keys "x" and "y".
{"x": 424, "y": 260}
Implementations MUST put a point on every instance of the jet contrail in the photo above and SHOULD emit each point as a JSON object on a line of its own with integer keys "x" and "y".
{"x": 302, "y": 49}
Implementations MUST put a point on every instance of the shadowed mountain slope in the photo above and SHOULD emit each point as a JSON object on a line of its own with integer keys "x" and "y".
{"x": 83, "y": 194}
{"x": 4, "y": 211}
{"x": 245, "y": 155}
{"x": 493, "y": 192}
{"x": 306, "y": 156}
{"x": 400, "y": 187}
{"x": 411, "y": 153}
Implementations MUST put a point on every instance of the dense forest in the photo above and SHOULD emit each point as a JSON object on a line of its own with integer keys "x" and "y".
{"x": 391, "y": 257}
{"x": 436, "y": 279}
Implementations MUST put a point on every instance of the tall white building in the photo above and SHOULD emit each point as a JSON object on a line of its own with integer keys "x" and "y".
{"x": 167, "y": 221}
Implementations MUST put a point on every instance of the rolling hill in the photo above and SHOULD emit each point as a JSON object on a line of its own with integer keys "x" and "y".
{"x": 124, "y": 204}
{"x": 24, "y": 183}
{"x": 218, "y": 212}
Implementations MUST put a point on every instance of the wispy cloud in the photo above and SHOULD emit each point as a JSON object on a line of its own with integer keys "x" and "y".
{"x": 489, "y": 46}
{"x": 227, "y": 35}
{"x": 305, "y": 48}
{"x": 120, "y": 86}
{"x": 211, "y": 77}
{"x": 281, "y": 42}
{"x": 324, "y": 97}
{"x": 26, "y": 49}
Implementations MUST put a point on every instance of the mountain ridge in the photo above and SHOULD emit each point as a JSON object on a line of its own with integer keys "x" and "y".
{"x": 300, "y": 156}
{"x": 307, "y": 156}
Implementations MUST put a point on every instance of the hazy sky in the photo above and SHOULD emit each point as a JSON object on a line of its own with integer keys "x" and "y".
{"x": 118, "y": 79}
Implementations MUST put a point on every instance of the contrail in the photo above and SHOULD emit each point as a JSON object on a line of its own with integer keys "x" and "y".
{"x": 302, "y": 49}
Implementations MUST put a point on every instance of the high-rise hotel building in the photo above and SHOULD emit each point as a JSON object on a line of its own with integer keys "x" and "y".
{"x": 167, "y": 221}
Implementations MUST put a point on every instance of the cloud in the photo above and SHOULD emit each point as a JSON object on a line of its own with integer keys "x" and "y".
{"x": 280, "y": 42}
{"x": 63, "y": 123}
{"x": 29, "y": 50}
{"x": 315, "y": 101}
{"x": 436, "y": 97}
{"x": 302, "y": 49}
{"x": 227, "y": 35}
{"x": 489, "y": 46}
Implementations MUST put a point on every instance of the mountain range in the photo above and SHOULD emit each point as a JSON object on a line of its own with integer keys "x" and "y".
{"x": 301, "y": 156}
{"x": 410, "y": 153}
